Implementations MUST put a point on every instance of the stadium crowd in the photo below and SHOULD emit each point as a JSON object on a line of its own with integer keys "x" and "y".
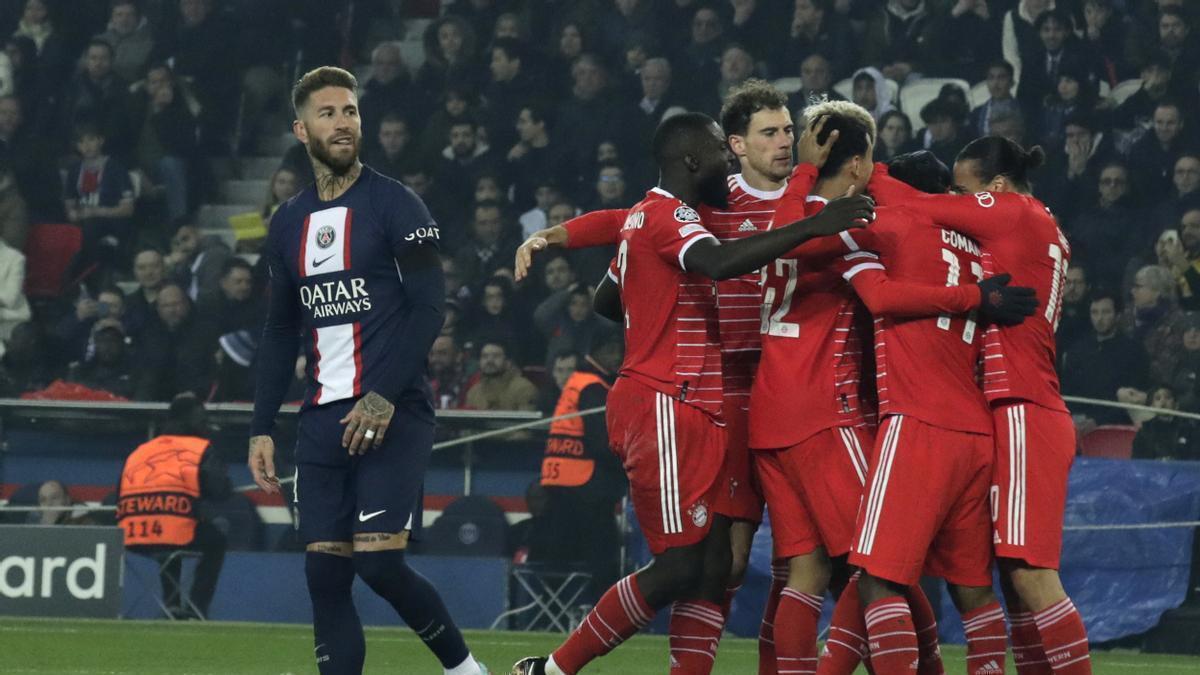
{"x": 520, "y": 114}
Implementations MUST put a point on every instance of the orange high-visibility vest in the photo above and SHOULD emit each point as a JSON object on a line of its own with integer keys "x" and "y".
{"x": 159, "y": 489}
{"x": 566, "y": 463}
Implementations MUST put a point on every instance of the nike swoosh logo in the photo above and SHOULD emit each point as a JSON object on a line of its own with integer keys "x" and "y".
{"x": 364, "y": 517}
{"x": 322, "y": 261}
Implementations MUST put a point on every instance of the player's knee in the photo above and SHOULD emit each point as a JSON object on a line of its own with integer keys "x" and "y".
{"x": 970, "y": 598}
{"x": 1037, "y": 587}
{"x": 810, "y": 573}
{"x": 326, "y": 573}
{"x": 377, "y": 568}
{"x": 873, "y": 589}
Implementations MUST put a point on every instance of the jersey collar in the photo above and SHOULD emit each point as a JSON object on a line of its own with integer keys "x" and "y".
{"x": 661, "y": 192}
{"x": 759, "y": 194}
{"x": 815, "y": 198}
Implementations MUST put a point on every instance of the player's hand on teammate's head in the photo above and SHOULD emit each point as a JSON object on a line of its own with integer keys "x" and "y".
{"x": 1005, "y": 305}
{"x": 262, "y": 463}
{"x": 808, "y": 150}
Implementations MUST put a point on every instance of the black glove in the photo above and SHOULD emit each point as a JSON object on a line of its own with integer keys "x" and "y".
{"x": 1003, "y": 304}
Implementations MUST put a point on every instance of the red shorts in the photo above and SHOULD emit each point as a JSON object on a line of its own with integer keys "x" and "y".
{"x": 740, "y": 497}
{"x": 926, "y": 505}
{"x": 813, "y": 489}
{"x": 672, "y": 453}
{"x": 1029, "y": 489}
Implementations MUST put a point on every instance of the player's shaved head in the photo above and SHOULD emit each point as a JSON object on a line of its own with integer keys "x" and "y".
{"x": 856, "y": 132}
{"x": 693, "y": 155}
{"x": 679, "y": 136}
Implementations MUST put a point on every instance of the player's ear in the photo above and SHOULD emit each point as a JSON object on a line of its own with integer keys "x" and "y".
{"x": 737, "y": 144}
{"x": 690, "y": 161}
{"x": 299, "y": 130}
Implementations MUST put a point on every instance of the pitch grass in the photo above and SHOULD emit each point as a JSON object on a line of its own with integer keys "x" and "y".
{"x": 102, "y": 647}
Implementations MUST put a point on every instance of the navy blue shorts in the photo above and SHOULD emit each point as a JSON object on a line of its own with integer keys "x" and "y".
{"x": 337, "y": 495}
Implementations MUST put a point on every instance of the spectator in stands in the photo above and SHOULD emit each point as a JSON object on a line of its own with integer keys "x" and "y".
{"x": 568, "y": 323}
{"x": 74, "y": 331}
{"x": 196, "y": 265}
{"x": 176, "y": 352}
{"x": 945, "y": 128}
{"x": 22, "y": 54}
{"x": 131, "y": 37}
{"x": 1072, "y": 175}
{"x": 1166, "y": 436}
{"x": 737, "y": 66}
{"x": 1000, "y": 98}
{"x": 250, "y": 229}
{"x": 871, "y": 92}
{"x": 14, "y": 215}
{"x": 546, "y": 193}
{"x": 611, "y": 189}
{"x": 234, "y": 307}
{"x": 702, "y": 55}
{"x": 34, "y": 163}
{"x": 1039, "y": 72}
{"x": 391, "y": 149}
{"x": 1179, "y": 46}
{"x": 1154, "y": 319}
{"x": 511, "y": 88}
{"x": 1105, "y": 232}
{"x": 109, "y": 367}
{"x": 1105, "y": 37}
{"x": 897, "y": 39}
{"x": 98, "y": 197}
{"x": 167, "y": 131}
{"x": 569, "y": 42}
{"x": 1137, "y": 112}
{"x": 53, "y": 61}
{"x": 816, "y": 29}
{"x": 1152, "y": 159}
{"x": 624, "y": 17}
{"x": 198, "y": 48}
{"x": 501, "y": 385}
{"x": 817, "y": 77}
{"x": 490, "y": 246}
{"x": 895, "y": 136}
{"x": 1076, "y": 307}
{"x": 97, "y": 95}
{"x": 655, "y": 79}
{"x": 449, "y": 57}
{"x": 463, "y": 158}
{"x": 1184, "y": 261}
{"x": 962, "y": 42}
{"x": 388, "y": 92}
{"x": 1074, "y": 95}
{"x": 495, "y": 319}
{"x": 563, "y": 364}
{"x": 26, "y": 364}
{"x": 592, "y": 115}
{"x": 1010, "y": 125}
{"x": 182, "y": 463}
{"x": 53, "y": 497}
{"x": 447, "y": 376}
{"x": 1185, "y": 381}
{"x": 456, "y": 103}
{"x": 1101, "y": 362}
{"x": 1185, "y": 193}
{"x": 149, "y": 272}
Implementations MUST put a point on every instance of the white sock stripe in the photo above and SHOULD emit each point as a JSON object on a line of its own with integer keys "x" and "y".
{"x": 1054, "y": 613}
{"x": 847, "y": 632}
{"x": 984, "y": 620}
{"x": 588, "y": 622}
{"x": 973, "y": 657}
{"x": 1066, "y": 647}
{"x": 696, "y": 607}
{"x": 872, "y": 621}
{"x": 989, "y": 637}
{"x": 809, "y": 599}
{"x": 796, "y": 658}
{"x": 699, "y": 638}
{"x": 1061, "y": 604}
{"x": 926, "y": 629}
{"x": 891, "y": 634}
{"x": 634, "y": 611}
{"x": 1043, "y": 625}
{"x": 616, "y": 636}
{"x": 693, "y": 651}
{"x": 719, "y": 625}
{"x": 857, "y": 650}
{"x": 893, "y": 651}
{"x": 889, "y": 608}
{"x": 1059, "y": 666}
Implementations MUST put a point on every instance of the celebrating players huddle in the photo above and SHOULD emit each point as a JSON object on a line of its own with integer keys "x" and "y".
{"x": 861, "y": 365}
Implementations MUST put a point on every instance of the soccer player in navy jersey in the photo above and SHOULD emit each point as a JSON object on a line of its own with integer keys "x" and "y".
{"x": 356, "y": 280}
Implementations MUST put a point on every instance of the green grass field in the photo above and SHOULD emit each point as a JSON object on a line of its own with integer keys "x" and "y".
{"x": 62, "y": 647}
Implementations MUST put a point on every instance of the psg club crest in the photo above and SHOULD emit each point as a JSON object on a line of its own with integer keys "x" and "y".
{"x": 325, "y": 236}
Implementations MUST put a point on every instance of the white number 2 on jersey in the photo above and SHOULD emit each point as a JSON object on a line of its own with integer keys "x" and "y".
{"x": 772, "y": 321}
{"x": 952, "y": 274}
{"x": 622, "y": 265}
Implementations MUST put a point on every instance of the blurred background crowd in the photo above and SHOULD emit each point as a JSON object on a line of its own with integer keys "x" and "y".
{"x": 143, "y": 148}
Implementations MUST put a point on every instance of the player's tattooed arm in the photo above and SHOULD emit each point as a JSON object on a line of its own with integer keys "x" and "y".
{"x": 366, "y": 423}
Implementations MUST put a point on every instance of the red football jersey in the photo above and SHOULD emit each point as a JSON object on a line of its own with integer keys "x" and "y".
{"x": 925, "y": 367}
{"x": 738, "y": 299}
{"x": 671, "y": 330}
{"x": 1020, "y": 237}
{"x": 812, "y": 329}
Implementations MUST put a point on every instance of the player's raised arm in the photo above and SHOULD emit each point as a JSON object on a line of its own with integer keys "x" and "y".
{"x": 276, "y": 363}
{"x": 723, "y": 261}
{"x": 596, "y": 228}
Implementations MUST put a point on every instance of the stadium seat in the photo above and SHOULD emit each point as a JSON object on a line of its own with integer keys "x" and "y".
{"x": 1124, "y": 90}
{"x": 846, "y": 89}
{"x": 470, "y": 526}
{"x": 151, "y": 584}
{"x": 789, "y": 85}
{"x": 26, "y": 495}
{"x": 914, "y": 96}
{"x": 48, "y": 254}
{"x": 1105, "y": 89}
{"x": 1114, "y": 441}
{"x": 546, "y": 597}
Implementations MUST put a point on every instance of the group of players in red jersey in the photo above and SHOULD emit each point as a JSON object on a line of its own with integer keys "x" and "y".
{"x": 764, "y": 385}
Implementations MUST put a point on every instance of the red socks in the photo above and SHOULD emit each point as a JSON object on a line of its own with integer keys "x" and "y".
{"x": 766, "y": 632}
{"x": 621, "y": 613}
{"x": 892, "y": 638}
{"x": 796, "y": 632}
{"x": 986, "y": 640}
{"x": 696, "y": 628}
{"x": 846, "y": 645}
{"x": 925, "y": 621}
{"x": 1064, "y": 639}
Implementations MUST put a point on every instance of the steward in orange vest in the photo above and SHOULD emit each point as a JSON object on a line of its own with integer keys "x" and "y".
{"x": 162, "y": 483}
{"x": 583, "y": 479}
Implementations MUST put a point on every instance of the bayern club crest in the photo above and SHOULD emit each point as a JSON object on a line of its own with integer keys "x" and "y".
{"x": 699, "y": 513}
{"x": 325, "y": 236}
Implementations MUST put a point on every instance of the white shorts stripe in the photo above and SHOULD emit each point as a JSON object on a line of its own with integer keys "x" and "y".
{"x": 856, "y": 460}
{"x": 887, "y": 455}
{"x": 1016, "y": 476}
{"x": 668, "y": 478}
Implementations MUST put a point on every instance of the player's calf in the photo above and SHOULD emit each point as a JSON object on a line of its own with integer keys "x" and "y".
{"x": 1060, "y": 628}
{"x": 337, "y": 632}
{"x": 891, "y": 634}
{"x": 983, "y": 625}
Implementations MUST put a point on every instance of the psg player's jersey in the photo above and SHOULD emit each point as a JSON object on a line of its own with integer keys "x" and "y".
{"x": 338, "y": 261}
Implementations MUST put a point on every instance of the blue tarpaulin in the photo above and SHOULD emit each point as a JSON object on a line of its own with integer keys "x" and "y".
{"x": 1122, "y": 581}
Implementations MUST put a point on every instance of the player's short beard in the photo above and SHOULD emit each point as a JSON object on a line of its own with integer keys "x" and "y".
{"x": 715, "y": 191}
{"x": 320, "y": 151}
